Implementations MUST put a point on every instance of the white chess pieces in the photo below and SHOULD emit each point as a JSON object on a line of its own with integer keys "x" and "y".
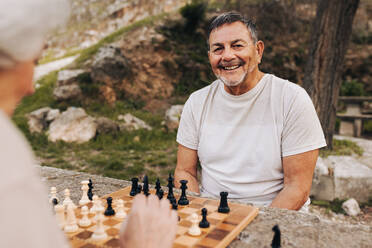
{"x": 84, "y": 197}
{"x": 85, "y": 221}
{"x": 99, "y": 233}
{"x": 71, "y": 225}
{"x": 53, "y": 193}
{"x": 96, "y": 203}
{"x": 194, "y": 230}
{"x": 67, "y": 199}
{"x": 120, "y": 212}
{"x": 60, "y": 215}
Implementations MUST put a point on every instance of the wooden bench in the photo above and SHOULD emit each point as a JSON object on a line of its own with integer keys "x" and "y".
{"x": 352, "y": 121}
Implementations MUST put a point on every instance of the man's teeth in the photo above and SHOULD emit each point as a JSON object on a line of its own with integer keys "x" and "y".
{"x": 231, "y": 67}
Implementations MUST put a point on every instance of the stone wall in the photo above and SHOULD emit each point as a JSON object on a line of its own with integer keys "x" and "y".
{"x": 298, "y": 229}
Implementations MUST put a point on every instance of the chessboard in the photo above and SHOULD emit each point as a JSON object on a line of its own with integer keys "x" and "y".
{"x": 223, "y": 227}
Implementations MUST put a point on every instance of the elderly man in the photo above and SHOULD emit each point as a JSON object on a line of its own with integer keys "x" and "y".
{"x": 26, "y": 217}
{"x": 256, "y": 135}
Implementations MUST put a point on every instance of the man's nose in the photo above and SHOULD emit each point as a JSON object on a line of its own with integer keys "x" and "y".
{"x": 228, "y": 54}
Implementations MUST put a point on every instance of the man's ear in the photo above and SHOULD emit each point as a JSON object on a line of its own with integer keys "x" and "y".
{"x": 260, "y": 46}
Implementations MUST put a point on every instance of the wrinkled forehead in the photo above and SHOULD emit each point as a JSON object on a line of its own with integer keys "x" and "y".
{"x": 230, "y": 32}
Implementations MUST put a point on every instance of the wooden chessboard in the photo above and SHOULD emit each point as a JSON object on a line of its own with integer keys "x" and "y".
{"x": 223, "y": 227}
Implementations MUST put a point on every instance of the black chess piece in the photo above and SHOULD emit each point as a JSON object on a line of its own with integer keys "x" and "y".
{"x": 134, "y": 189}
{"x": 90, "y": 190}
{"x": 55, "y": 201}
{"x": 224, "y": 207}
{"x": 170, "y": 187}
{"x": 157, "y": 186}
{"x": 204, "y": 222}
{"x": 109, "y": 210}
{"x": 160, "y": 194}
{"x": 183, "y": 199}
{"x": 145, "y": 188}
{"x": 276, "y": 239}
{"x": 174, "y": 204}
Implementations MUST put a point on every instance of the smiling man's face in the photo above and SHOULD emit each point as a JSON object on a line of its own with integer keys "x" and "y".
{"x": 232, "y": 53}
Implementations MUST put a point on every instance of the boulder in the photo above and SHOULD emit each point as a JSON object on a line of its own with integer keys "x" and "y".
{"x": 172, "y": 116}
{"x": 106, "y": 125}
{"x": 67, "y": 77}
{"x": 351, "y": 207}
{"x": 132, "y": 123}
{"x": 36, "y": 120}
{"x": 73, "y": 125}
{"x": 65, "y": 92}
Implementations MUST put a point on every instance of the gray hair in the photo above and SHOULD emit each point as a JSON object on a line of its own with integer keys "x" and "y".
{"x": 231, "y": 17}
{"x": 24, "y": 25}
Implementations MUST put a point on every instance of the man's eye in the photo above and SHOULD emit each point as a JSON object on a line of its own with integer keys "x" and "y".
{"x": 237, "y": 45}
{"x": 217, "y": 49}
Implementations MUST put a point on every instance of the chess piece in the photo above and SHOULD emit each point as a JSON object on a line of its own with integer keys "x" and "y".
{"x": 85, "y": 221}
{"x": 53, "y": 193}
{"x": 174, "y": 204}
{"x": 170, "y": 187}
{"x": 99, "y": 233}
{"x": 71, "y": 225}
{"x": 223, "y": 208}
{"x": 90, "y": 190}
{"x": 160, "y": 194}
{"x": 96, "y": 203}
{"x": 67, "y": 199}
{"x": 157, "y": 186}
{"x": 194, "y": 230}
{"x": 183, "y": 199}
{"x": 109, "y": 211}
{"x": 120, "y": 209}
{"x": 204, "y": 223}
{"x": 60, "y": 214}
{"x": 134, "y": 189}
{"x": 276, "y": 239}
{"x": 84, "y": 197}
{"x": 145, "y": 186}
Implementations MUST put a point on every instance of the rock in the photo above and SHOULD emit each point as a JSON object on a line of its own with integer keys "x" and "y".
{"x": 172, "y": 116}
{"x": 66, "y": 77}
{"x": 109, "y": 66}
{"x": 73, "y": 125}
{"x": 36, "y": 120}
{"x": 351, "y": 207}
{"x": 52, "y": 115}
{"x": 132, "y": 123}
{"x": 106, "y": 125}
{"x": 65, "y": 92}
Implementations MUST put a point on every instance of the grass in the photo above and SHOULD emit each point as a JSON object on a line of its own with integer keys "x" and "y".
{"x": 334, "y": 206}
{"x": 342, "y": 148}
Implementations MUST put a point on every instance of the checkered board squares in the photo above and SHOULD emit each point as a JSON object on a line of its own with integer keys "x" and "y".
{"x": 223, "y": 227}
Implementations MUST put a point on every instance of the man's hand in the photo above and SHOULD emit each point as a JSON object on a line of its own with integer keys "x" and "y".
{"x": 298, "y": 175}
{"x": 150, "y": 223}
{"x": 186, "y": 168}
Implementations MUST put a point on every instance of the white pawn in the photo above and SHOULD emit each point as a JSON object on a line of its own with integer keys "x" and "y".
{"x": 67, "y": 199}
{"x": 85, "y": 221}
{"x": 53, "y": 193}
{"x": 99, "y": 233}
{"x": 194, "y": 229}
{"x": 96, "y": 203}
{"x": 84, "y": 197}
{"x": 120, "y": 213}
{"x": 71, "y": 225}
{"x": 60, "y": 214}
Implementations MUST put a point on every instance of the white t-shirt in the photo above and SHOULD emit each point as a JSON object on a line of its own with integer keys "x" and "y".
{"x": 241, "y": 140}
{"x": 26, "y": 218}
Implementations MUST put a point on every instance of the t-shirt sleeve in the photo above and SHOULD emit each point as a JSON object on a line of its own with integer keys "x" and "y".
{"x": 302, "y": 130}
{"x": 187, "y": 134}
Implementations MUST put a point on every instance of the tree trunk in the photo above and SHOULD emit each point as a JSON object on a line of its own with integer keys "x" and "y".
{"x": 329, "y": 41}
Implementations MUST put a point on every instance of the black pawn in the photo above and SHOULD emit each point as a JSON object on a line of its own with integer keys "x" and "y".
{"x": 134, "y": 189}
{"x": 157, "y": 186}
{"x": 183, "y": 199}
{"x": 204, "y": 223}
{"x": 170, "y": 187}
{"x": 160, "y": 194}
{"x": 174, "y": 204}
{"x": 90, "y": 192}
{"x": 223, "y": 208}
{"x": 109, "y": 211}
{"x": 145, "y": 188}
{"x": 55, "y": 201}
{"x": 276, "y": 239}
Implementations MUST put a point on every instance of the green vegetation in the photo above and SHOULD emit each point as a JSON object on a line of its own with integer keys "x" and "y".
{"x": 352, "y": 88}
{"x": 342, "y": 148}
{"x": 334, "y": 206}
{"x": 194, "y": 13}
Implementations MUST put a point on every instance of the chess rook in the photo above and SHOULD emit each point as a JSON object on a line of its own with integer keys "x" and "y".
{"x": 183, "y": 199}
{"x": 223, "y": 207}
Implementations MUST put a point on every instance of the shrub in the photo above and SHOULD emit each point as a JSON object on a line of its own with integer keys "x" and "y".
{"x": 352, "y": 88}
{"x": 194, "y": 13}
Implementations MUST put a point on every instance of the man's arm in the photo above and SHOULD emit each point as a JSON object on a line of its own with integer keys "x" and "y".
{"x": 298, "y": 175}
{"x": 187, "y": 160}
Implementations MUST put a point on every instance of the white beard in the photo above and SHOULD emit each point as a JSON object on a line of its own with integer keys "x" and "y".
{"x": 232, "y": 83}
